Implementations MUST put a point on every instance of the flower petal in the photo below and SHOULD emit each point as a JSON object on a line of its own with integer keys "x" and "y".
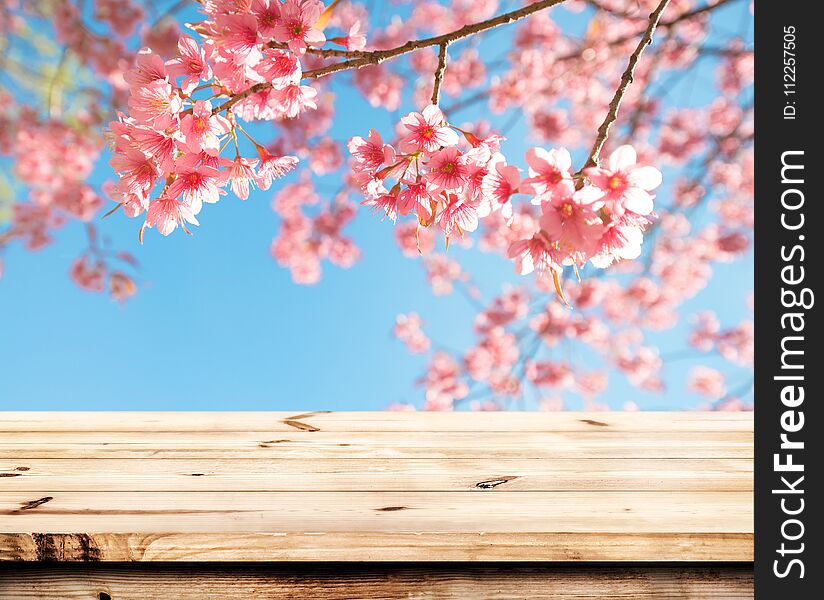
{"x": 646, "y": 178}
{"x": 622, "y": 159}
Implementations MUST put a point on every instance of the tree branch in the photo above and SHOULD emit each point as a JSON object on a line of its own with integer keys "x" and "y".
{"x": 375, "y": 57}
{"x": 439, "y": 72}
{"x": 626, "y": 80}
{"x": 663, "y": 24}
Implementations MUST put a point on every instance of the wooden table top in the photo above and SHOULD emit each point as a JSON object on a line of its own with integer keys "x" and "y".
{"x": 212, "y": 486}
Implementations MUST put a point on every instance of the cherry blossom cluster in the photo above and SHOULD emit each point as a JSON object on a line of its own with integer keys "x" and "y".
{"x": 168, "y": 150}
{"x": 305, "y": 240}
{"x": 450, "y": 179}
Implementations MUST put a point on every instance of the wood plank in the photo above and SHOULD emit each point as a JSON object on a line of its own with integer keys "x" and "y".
{"x": 423, "y": 444}
{"x": 377, "y": 547}
{"x": 338, "y": 582}
{"x": 375, "y": 421}
{"x": 299, "y": 512}
{"x": 376, "y": 487}
{"x": 479, "y": 475}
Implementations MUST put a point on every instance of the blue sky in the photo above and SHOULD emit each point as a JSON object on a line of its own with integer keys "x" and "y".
{"x": 218, "y": 325}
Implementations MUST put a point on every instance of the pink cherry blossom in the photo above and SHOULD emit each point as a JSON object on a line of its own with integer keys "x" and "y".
{"x": 148, "y": 69}
{"x": 241, "y": 176}
{"x": 201, "y": 130}
{"x": 458, "y": 214}
{"x": 196, "y": 184}
{"x": 279, "y": 67}
{"x": 296, "y": 25}
{"x": 707, "y": 382}
{"x": 536, "y": 253}
{"x": 191, "y": 64}
{"x": 238, "y": 33}
{"x": 499, "y": 184}
{"x": 267, "y": 13}
{"x": 91, "y": 277}
{"x": 408, "y": 329}
{"x": 295, "y": 99}
{"x": 574, "y": 228}
{"x": 447, "y": 169}
{"x": 167, "y": 213}
{"x": 549, "y": 170}
{"x": 138, "y": 173}
{"x": 386, "y": 203}
{"x": 273, "y": 167}
{"x": 354, "y": 40}
{"x": 625, "y": 184}
{"x": 156, "y": 104}
{"x": 417, "y": 197}
{"x": 427, "y": 131}
{"x": 370, "y": 153}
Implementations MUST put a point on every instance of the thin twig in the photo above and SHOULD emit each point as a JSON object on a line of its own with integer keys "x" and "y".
{"x": 439, "y": 72}
{"x": 675, "y": 20}
{"x": 626, "y": 80}
{"x": 619, "y": 41}
{"x": 375, "y": 57}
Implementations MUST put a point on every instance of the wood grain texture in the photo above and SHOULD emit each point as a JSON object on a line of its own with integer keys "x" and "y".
{"x": 400, "y": 474}
{"x": 375, "y": 487}
{"x": 373, "y": 421}
{"x": 339, "y": 582}
{"x": 377, "y": 445}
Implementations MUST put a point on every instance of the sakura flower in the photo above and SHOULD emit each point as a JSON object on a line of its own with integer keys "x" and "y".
{"x": 458, "y": 213}
{"x": 196, "y": 184}
{"x": 148, "y": 68}
{"x": 138, "y": 172}
{"x": 625, "y": 185}
{"x": 369, "y": 182}
{"x": 241, "y": 176}
{"x": 707, "y": 382}
{"x": 482, "y": 150}
{"x": 273, "y": 167}
{"x": 534, "y": 253}
{"x": 279, "y": 67}
{"x": 267, "y": 13}
{"x": 549, "y": 171}
{"x": 293, "y": 99}
{"x": 354, "y": 40}
{"x": 409, "y": 330}
{"x": 201, "y": 129}
{"x": 621, "y": 240}
{"x": 159, "y": 145}
{"x": 572, "y": 225}
{"x": 133, "y": 204}
{"x": 239, "y": 33}
{"x": 370, "y": 153}
{"x": 296, "y": 25}
{"x": 167, "y": 213}
{"x": 387, "y": 203}
{"x": 122, "y": 286}
{"x": 121, "y": 15}
{"x": 416, "y": 197}
{"x": 87, "y": 276}
{"x": 427, "y": 131}
{"x": 549, "y": 373}
{"x": 156, "y": 104}
{"x": 190, "y": 64}
{"x": 498, "y": 187}
{"x": 446, "y": 169}
{"x": 443, "y": 383}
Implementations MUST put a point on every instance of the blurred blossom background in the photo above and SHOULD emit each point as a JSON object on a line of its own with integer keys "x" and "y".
{"x": 219, "y": 320}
